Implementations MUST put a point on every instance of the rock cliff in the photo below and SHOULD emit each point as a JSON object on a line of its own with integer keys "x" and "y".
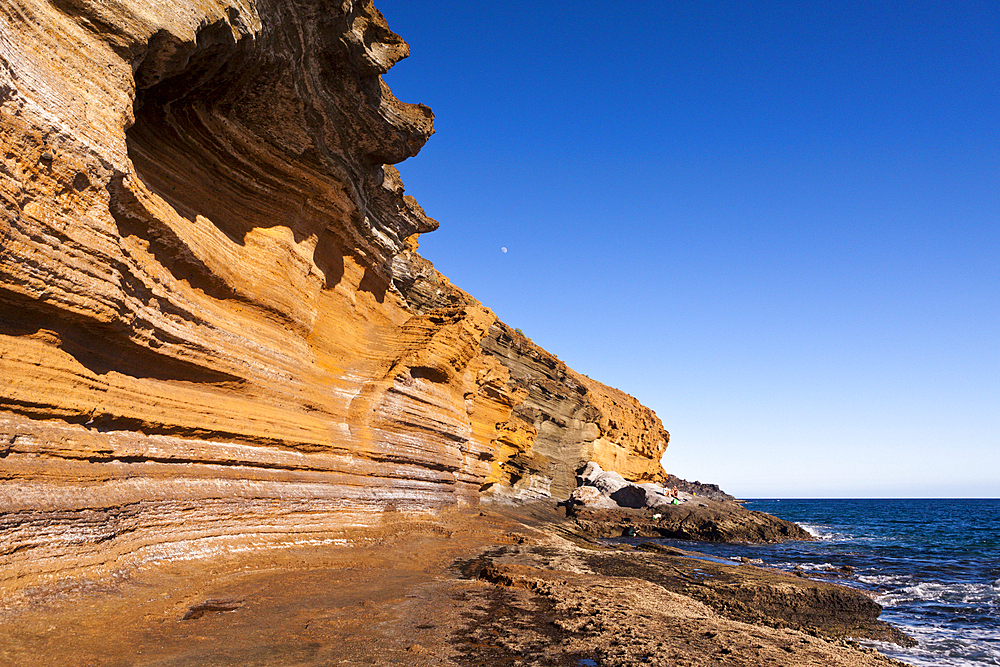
{"x": 216, "y": 331}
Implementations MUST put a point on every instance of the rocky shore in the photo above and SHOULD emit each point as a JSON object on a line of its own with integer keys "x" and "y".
{"x": 244, "y": 422}
{"x": 504, "y": 585}
{"x": 606, "y": 505}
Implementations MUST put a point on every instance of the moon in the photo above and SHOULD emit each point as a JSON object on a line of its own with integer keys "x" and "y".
{"x": 503, "y": 249}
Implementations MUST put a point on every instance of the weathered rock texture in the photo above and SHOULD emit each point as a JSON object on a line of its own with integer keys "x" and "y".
{"x": 697, "y": 488}
{"x": 416, "y": 590}
{"x": 215, "y": 329}
{"x": 701, "y": 519}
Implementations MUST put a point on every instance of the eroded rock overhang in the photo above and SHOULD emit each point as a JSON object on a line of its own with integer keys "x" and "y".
{"x": 215, "y": 329}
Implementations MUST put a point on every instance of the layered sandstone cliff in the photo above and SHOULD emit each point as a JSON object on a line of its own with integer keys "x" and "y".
{"x": 215, "y": 329}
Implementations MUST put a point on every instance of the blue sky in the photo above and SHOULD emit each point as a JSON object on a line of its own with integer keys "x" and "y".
{"x": 775, "y": 223}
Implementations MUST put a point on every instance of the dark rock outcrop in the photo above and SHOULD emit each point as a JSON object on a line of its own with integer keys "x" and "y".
{"x": 697, "y": 488}
{"x": 756, "y": 595}
{"x": 705, "y": 520}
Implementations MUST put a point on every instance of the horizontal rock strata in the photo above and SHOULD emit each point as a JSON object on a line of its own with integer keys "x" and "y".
{"x": 215, "y": 329}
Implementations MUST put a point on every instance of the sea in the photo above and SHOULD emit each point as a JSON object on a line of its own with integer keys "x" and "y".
{"x": 933, "y": 565}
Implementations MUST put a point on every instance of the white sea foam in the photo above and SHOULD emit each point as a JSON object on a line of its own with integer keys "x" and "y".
{"x": 935, "y": 655}
{"x": 945, "y": 647}
{"x": 744, "y": 559}
{"x": 820, "y": 532}
{"x": 811, "y": 529}
{"x": 885, "y": 580}
{"x": 967, "y": 593}
{"x": 812, "y": 567}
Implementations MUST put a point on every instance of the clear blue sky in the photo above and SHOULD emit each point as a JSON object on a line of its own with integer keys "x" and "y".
{"x": 775, "y": 223}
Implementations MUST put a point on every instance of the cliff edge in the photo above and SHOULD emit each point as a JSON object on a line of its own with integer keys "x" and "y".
{"x": 216, "y": 332}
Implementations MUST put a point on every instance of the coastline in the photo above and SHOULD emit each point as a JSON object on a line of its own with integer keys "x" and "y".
{"x": 244, "y": 421}
{"x": 504, "y": 585}
{"x": 929, "y": 562}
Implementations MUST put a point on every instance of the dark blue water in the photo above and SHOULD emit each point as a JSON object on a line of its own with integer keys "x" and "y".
{"x": 934, "y": 565}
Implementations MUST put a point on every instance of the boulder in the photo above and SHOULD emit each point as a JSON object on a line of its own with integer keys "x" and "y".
{"x": 654, "y": 490}
{"x": 590, "y": 496}
{"x": 609, "y": 482}
{"x": 590, "y": 473}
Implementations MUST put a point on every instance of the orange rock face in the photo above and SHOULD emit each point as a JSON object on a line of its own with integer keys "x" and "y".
{"x": 215, "y": 329}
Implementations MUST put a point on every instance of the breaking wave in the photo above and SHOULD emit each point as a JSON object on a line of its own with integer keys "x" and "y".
{"x": 981, "y": 595}
{"x": 821, "y": 532}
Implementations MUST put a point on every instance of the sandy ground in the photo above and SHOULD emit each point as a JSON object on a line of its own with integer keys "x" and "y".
{"x": 490, "y": 587}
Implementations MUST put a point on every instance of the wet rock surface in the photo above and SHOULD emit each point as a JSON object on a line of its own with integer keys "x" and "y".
{"x": 756, "y": 595}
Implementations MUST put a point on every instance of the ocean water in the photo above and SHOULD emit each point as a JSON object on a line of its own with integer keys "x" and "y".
{"x": 934, "y": 565}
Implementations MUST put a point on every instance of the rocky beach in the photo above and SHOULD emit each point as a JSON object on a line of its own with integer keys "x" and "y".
{"x": 500, "y": 586}
{"x": 244, "y": 421}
